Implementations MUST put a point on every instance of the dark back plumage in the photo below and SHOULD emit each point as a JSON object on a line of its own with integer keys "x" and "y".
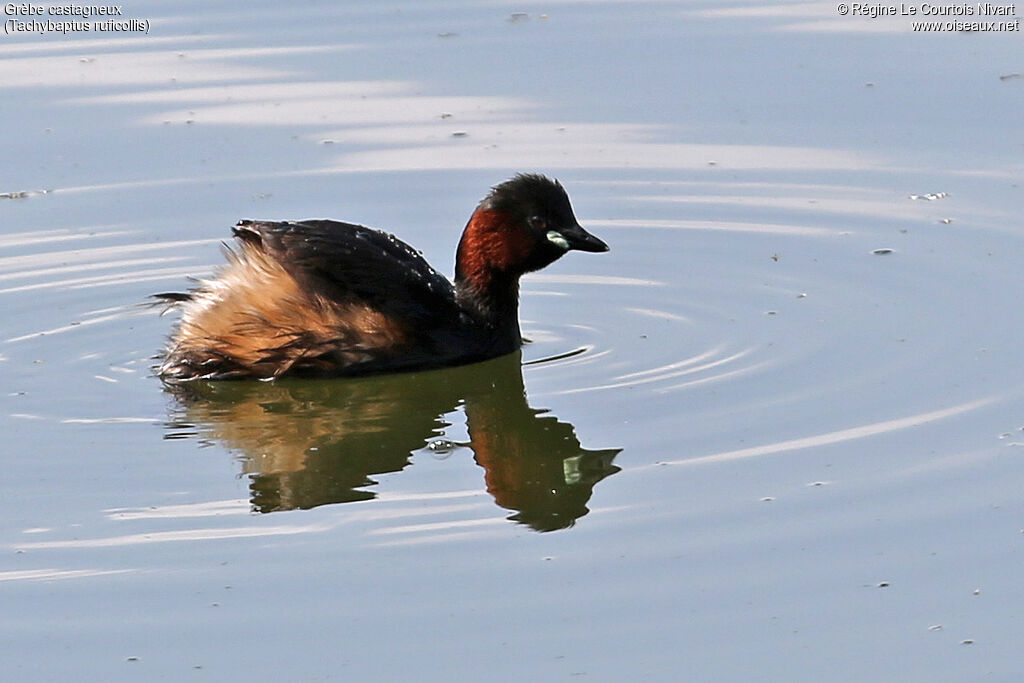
{"x": 349, "y": 262}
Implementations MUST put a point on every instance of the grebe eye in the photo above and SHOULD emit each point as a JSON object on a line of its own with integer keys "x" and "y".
{"x": 538, "y": 222}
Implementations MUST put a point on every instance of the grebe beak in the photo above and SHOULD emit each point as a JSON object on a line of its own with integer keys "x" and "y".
{"x": 575, "y": 237}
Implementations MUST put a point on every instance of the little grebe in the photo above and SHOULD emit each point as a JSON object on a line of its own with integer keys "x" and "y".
{"x": 322, "y": 298}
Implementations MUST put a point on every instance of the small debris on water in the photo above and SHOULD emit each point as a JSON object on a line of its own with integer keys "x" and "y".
{"x": 976, "y": 591}
{"x": 884, "y": 584}
{"x": 936, "y": 627}
{"x": 801, "y": 295}
{"x": 882, "y": 250}
{"x": 517, "y": 17}
{"x": 945, "y": 221}
{"x": 441, "y": 446}
{"x": 1010, "y": 77}
{"x": 23, "y": 194}
{"x": 460, "y": 134}
{"x": 767, "y": 499}
{"x": 967, "y": 641}
{"x": 930, "y": 196}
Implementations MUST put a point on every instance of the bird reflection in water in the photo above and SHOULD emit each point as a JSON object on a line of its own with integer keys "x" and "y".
{"x": 305, "y": 443}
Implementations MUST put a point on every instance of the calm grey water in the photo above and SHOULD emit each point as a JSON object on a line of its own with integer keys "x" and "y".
{"x": 774, "y": 434}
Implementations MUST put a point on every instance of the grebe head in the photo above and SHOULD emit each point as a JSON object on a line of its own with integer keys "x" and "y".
{"x": 542, "y": 205}
{"x": 524, "y": 224}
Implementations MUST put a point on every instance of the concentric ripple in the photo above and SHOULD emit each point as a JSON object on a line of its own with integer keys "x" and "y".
{"x": 658, "y": 349}
{"x": 718, "y": 300}
{"x": 802, "y": 333}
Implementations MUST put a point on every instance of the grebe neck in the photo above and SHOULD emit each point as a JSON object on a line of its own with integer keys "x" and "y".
{"x": 487, "y": 270}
